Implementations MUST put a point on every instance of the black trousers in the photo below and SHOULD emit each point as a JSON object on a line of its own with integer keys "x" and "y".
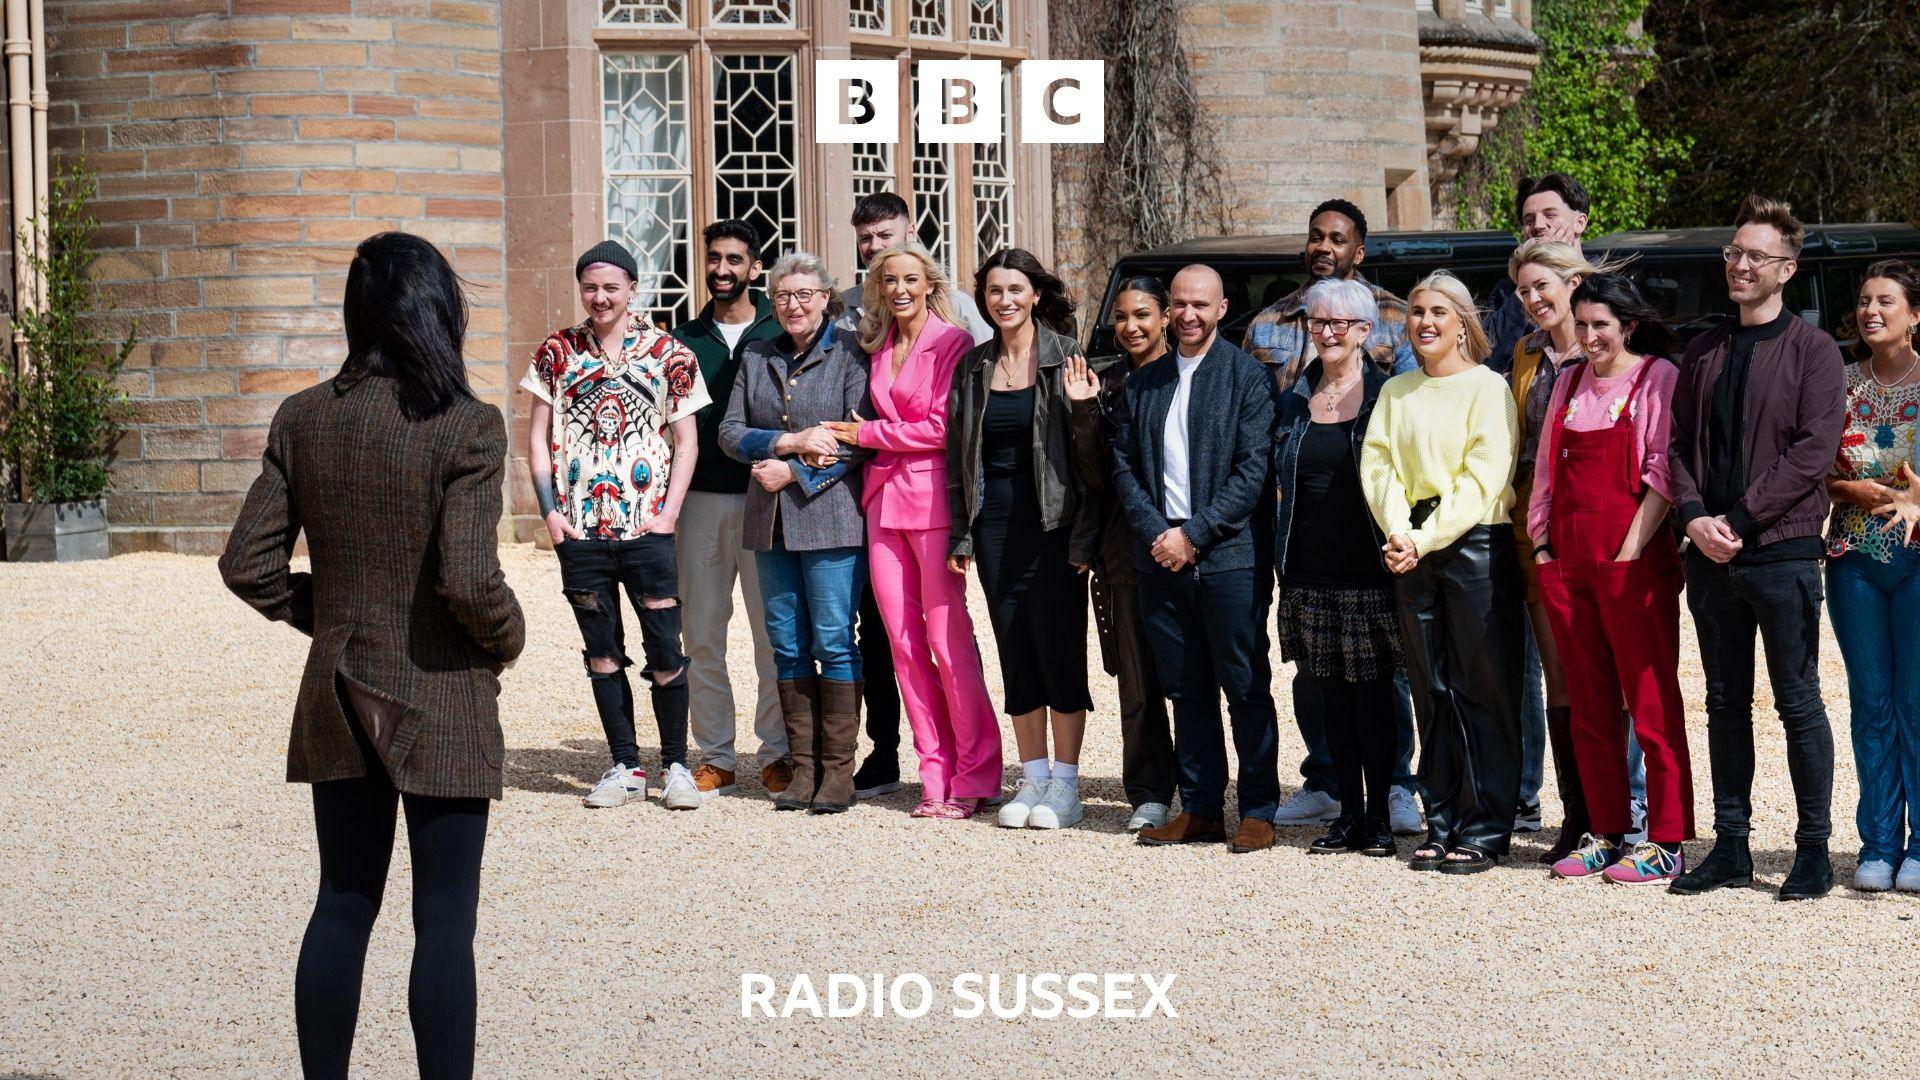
{"x": 1781, "y": 602}
{"x": 876, "y": 669}
{"x": 1460, "y": 617}
{"x": 592, "y": 573}
{"x": 354, "y": 822}
{"x": 1362, "y": 728}
{"x": 1146, "y": 737}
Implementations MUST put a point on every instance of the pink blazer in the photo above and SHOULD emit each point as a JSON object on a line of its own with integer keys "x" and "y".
{"x": 906, "y": 481}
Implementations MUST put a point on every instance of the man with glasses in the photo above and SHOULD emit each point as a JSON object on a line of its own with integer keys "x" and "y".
{"x": 1757, "y": 418}
{"x": 1281, "y": 338}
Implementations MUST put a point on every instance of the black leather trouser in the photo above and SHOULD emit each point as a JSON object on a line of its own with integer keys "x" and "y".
{"x": 1460, "y": 616}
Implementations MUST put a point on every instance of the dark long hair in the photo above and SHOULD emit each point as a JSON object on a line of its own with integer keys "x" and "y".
{"x": 1147, "y": 283}
{"x": 406, "y": 318}
{"x": 1053, "y": 306}
{"x": 1898, "y": 271}
{"x": 1651, "y": 335}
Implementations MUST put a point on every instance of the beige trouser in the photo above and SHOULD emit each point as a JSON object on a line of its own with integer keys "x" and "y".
{"x": 708, "y": 549}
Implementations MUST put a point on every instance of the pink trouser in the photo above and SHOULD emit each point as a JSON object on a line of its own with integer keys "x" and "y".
{"x": 955, "y": 730}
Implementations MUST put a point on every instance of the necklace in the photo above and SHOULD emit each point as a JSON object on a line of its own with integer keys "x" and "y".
{"x": 1897, "y": 383}
{"x": 1006, "y": 373}
{"x": 1333, "y": 393}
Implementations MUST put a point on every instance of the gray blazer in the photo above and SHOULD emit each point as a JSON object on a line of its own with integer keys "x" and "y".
{"x": 776, "y": 393}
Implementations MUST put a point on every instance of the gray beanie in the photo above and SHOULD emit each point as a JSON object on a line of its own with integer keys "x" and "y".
{"x": 611, "y": 253}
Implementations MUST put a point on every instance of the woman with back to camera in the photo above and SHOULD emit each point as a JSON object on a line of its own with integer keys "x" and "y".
{"x": 1610, "y": 577}
{"x": 1147, "y": 766}
{"x": 907, "y": 328}
{"x": 1019, "y": 513}
{"x": 1437, "y": 467}
{"x": 392, "y": 469}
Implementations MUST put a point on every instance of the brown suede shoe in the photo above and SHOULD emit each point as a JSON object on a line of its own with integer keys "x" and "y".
{"x": 712, "y": 781}
{"x": 1252, "y": 835}
{"x": 1187, "y": 829}
{"x": 777, "y": 776}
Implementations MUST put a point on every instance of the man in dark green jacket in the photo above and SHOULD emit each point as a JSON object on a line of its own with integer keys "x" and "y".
{"x": 709, "y": 543}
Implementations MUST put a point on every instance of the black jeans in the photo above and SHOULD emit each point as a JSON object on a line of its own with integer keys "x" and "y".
{"x": 1460, "y": 618}
{"x": 1782, "y": 602}
{"x": 592, "y": 573}
{"x": 1146, "y": 738}
{"x": 1209, "y": 636}
{"x": 354, "y": 821}
{"x": 1362, "y": 729}
{"x": 881, "y": 692}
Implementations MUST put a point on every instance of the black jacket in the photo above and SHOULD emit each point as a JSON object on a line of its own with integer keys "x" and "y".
{"x": 1290, "y": 431}
{"x": 1093, "y": 430}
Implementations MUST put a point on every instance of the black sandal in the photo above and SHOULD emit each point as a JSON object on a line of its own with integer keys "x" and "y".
{"x": 1475, "y": 862}
{"x": 1428, "y": 862}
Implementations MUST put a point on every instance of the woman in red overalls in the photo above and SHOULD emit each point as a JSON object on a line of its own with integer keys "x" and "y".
{"x": 1610, "y": 578}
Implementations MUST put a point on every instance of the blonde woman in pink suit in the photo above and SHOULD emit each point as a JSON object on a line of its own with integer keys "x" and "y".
{"x": 907, "y": 327}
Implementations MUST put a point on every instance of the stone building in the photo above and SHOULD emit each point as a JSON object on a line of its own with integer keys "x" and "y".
{"x": 243, "y": 147}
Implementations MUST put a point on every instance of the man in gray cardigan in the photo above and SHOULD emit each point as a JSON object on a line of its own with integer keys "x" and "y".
{"x": 1193, "y": 436}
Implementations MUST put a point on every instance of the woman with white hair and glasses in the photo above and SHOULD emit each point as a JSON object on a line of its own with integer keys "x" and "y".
{"x": 1337, "y": 620}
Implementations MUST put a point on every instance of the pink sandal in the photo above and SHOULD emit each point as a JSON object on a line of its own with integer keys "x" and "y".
{"x": 961, "y": 809}
{"x": 929, "y": 808}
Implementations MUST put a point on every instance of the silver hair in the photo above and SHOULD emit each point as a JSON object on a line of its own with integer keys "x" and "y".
{"x": 1341, "y": 298}
{"x": 799, "y": 262}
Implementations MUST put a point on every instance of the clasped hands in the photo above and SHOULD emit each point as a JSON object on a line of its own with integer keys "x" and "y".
{"x": 815, "y": 446}
{"x": 1174, "y": 550}
{"x": 1400, "y": 553}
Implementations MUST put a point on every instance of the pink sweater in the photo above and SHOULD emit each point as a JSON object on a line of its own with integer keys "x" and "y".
{"x": 1650, "y": 411}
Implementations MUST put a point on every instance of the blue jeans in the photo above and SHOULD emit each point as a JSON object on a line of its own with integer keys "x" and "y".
{"x": 811, "y": 599}
{"x": 1875, "y": 608}
{"x": 1310, "y": 717}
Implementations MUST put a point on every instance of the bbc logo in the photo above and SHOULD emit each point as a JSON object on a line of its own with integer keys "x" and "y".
{"x": 1061, "y": 101}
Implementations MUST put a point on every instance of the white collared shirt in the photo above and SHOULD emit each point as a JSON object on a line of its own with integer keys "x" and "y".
{"x": 1176, "y": 476}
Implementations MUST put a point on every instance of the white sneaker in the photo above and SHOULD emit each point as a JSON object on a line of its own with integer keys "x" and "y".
{"x": 617, "y": 787}
{"x": 1014, "y": 812}
{"x": 1873, "y": 875}
{"x": 1527, "y": 817}
{"x": 1149, "y": 815}
{"x": 1637, "y": 813}
{"x": 1059, "y": 807}
{"x": 1909, "y": 877}
{"x": 681, "y": 792}
{"x": 1403, "y": 813}
{"x": 1307, "y": 807}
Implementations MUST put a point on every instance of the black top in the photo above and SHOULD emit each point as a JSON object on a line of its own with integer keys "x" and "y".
{"x": 1006, "y": 442}
{"x": 1331, "y": 543}
{"x": 1726, "y": 478}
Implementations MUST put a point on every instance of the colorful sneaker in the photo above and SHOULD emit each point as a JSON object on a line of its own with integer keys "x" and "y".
{"x": 1648, "y": 865}
{"x": 1593, "y": 856}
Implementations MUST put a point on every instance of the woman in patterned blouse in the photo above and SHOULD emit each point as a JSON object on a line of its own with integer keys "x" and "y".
{"x": 1873, "y": 576}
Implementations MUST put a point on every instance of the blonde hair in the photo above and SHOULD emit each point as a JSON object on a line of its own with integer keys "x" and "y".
{"x": 875, "y": 315}
{"x": 1455, "y": 290}
{"x": 1563, "y": 259}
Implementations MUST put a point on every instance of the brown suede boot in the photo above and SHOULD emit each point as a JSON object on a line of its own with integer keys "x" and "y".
{"x": 800, "y": 707}
{"x": 1573, "y": 798}
{"x": 840, "y": 739}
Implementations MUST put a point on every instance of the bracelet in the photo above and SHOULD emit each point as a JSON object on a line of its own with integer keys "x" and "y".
{"x": 1538, "y": 548}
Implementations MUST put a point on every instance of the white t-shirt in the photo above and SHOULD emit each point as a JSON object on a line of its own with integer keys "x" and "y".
{"x": 731, "y": 332}
{"x": 1175, "y": 475}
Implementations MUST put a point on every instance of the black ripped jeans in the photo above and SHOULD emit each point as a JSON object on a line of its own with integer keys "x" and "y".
{"x": 592, "y": 573}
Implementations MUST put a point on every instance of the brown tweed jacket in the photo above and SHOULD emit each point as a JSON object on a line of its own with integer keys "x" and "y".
{"x": 406, "y": 595}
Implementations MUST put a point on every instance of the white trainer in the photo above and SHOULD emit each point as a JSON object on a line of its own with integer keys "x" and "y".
{"x": 1403, "y": 812}
{"x": 1058, "y": 808}
{"x": 681, "y": 792}
{"x": 1908, "y": 880}
{"x": 1307, "y": 807}
{"x": 617, "y": 787}
{"x": 1014, "y": 812}
{"x": 1637, "y": 814}
{"x": 1149, "y": 815}
{"x": 1873, "y": 875}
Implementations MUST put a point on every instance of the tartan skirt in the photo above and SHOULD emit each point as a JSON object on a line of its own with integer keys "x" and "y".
{"x": 1335, "y": 633}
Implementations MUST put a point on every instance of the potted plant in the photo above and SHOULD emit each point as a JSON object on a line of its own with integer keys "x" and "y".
{"x": 57, "y": 420}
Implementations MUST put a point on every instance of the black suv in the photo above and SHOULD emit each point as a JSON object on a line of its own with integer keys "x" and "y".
{"x": 1680, "y": 270}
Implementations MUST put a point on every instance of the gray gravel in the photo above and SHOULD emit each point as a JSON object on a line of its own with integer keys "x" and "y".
{"x": 157, "y": 874}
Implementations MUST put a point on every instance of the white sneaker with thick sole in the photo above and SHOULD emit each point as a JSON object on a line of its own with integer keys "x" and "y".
{"x": 681, "y": 792}
{"x": 1307, "y": 807}
{"x": 1013, "y": 812}
{"x": 1059, "y": 807}
{"x": 1149, "y": 815}
{"x": 1908, "y": 880}
{"x": 1637, "y": 813}
{"x": 617, "y": 787}
{"x": 1527, "y": 817}
{"x": 1403, "y": 813}
{"x": 1873, "y": 875}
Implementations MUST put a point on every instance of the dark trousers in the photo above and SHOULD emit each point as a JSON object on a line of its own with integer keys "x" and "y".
{"x": 1781, "y": 601}
{"x": 1208, "y": 629}
{"x": 1361, "y": 729}
{"x": 1310, "y": 716}
{"x": 1460, "y": 618}
{"x": 876, "y": 667}
{"x": 354, "y": 822}
{"x": 592, "y": 573}
{"x": 1146, "y": 737}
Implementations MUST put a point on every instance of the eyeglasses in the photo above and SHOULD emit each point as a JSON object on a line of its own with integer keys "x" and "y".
{"x": 803, "y": 297}
{"x": 1759, "y": 260}
{"x": 1338, "y": 326}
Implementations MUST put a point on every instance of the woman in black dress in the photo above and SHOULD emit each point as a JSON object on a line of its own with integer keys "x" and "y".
{"x": 1018, "y": 508}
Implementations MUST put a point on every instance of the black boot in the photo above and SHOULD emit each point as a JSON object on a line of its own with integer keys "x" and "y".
{"x": 1375, "y": 837}
{"x": 1343, "y": 835}
{"x": 1574, "y": 822}
{"x": 1811, "y": 877}
{"x": 1729, "y": 863}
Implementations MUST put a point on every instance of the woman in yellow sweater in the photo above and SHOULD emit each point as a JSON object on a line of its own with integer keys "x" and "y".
{"x": 1437, "y": 466}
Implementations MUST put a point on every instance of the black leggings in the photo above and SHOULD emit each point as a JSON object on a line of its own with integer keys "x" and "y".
{"x": 1363, "y": 739}
{"x": 354, "y": 822}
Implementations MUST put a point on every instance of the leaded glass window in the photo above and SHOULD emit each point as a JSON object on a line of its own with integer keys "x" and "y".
{"x": 927, "y": 18}
{"x": 755, "y": 146}
{"x": 987, "y": 21}
{"x": 872, "y": 168}
{"x": 933, "y": 193}
{"x": 870, "y": 16}
{"x": 643, "y": 13}
{"x": 645, "y": 147}
{"x": 992, "y": 198}
{"x": 753, "y": 12}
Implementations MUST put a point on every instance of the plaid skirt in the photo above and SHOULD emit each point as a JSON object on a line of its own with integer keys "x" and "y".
{"x": 1347, "y": 634}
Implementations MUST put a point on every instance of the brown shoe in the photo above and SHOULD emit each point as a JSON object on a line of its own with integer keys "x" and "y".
{"x": 777, "y": 776}
{"x": 839, "y": 740}
{"x": 1252, "y": 835}
{"x": 800, "y": 711}
{"x": 712, "y": 781}
{"x": 1185, "y": 829}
